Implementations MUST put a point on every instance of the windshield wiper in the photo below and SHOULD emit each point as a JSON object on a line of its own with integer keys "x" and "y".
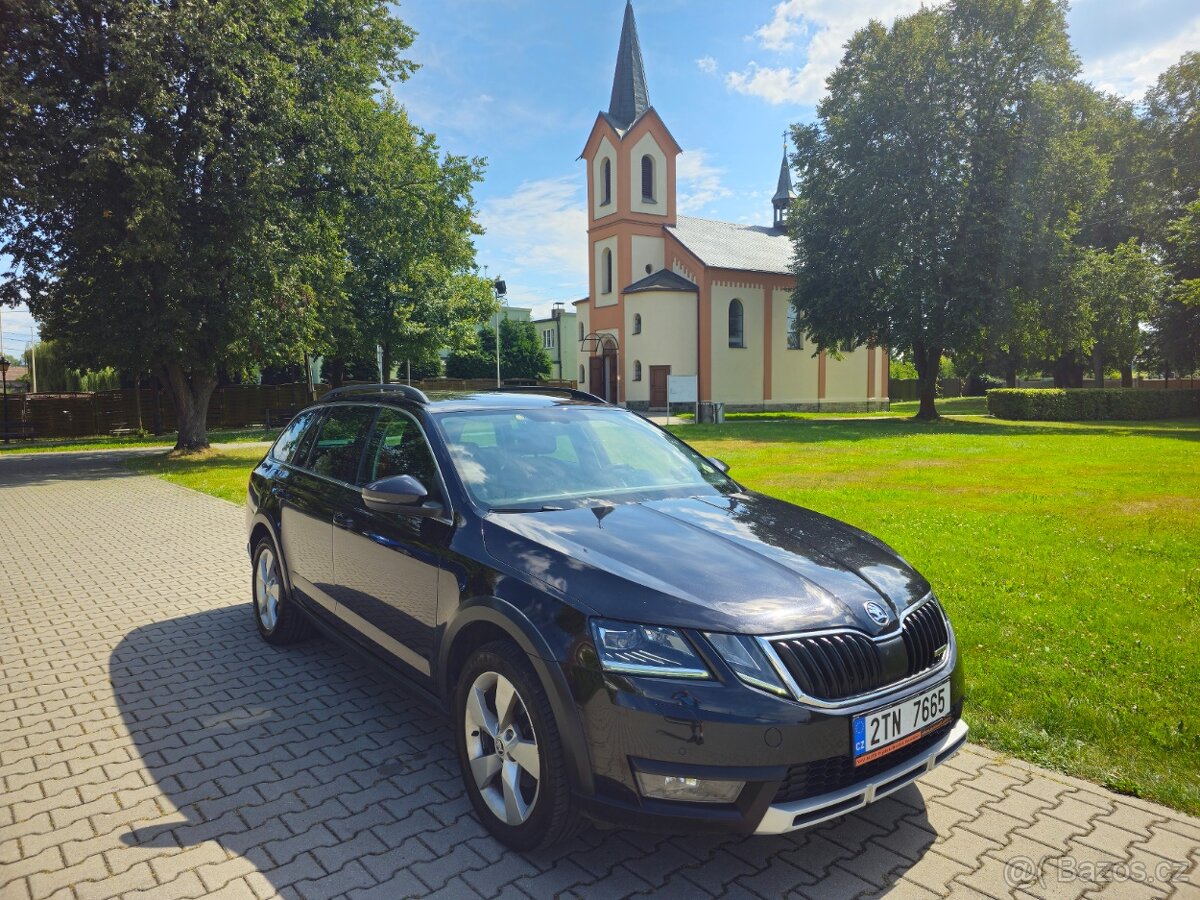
{"x": 524, "y": 509}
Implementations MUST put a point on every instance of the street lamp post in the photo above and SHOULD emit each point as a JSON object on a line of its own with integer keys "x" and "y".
{"x": 501, "y": 290}
{"x": 4, "y": 381}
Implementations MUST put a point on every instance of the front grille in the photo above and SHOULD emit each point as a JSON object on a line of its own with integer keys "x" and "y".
{"x": 924, "y": 634}
{"x": 847, "y": 664}
{"x": 822, "y": 776}
{"x": 832, "y": 666}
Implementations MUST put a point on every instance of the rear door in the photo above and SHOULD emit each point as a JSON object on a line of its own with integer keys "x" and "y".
{"x": 315, "y": 491}
{"x": 386, "y": 564}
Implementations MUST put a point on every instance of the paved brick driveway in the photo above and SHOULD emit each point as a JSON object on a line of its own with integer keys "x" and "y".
{"x": 151, "y": 745}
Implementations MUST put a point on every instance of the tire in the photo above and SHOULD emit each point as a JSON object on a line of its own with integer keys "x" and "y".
{"x": 278, "y": 619}
{"x": 520, "y": 810}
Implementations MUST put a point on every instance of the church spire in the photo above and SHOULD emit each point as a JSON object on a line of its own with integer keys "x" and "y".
{"x": 630, "y": 98}
{"x": 783, "y": 191}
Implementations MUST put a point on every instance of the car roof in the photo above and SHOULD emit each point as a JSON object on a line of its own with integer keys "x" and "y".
{"x": 457, "y": 401}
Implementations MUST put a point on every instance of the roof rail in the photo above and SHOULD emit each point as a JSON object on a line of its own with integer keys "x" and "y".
{"x": 357, "y": 390}
{"x": 573, "y": 393}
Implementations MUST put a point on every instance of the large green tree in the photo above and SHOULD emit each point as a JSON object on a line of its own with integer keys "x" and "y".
{"x": 174, "y": 176}
{"x": 923, "y": 186}
{"x": 410, "y": 288}
{"x": 1173, "y": 118}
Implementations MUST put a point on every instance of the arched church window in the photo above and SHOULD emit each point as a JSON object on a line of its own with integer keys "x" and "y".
{"x": 606, "y": 272}
{"x": 581, "y": 331}
{"x": 582, "y": 372}
{"x": 737, "y": 316}
{"x": 606, "y": 182}
{"x": 637, "y": 370}
{"x": 648, "y": 178}
{"x": 637, "y": 323}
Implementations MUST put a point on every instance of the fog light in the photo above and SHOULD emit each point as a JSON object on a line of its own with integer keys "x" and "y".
{"x": 693, "y": 790}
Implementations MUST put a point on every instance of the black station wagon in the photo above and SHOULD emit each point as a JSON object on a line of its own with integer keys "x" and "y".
{"x": 618, "y": 630}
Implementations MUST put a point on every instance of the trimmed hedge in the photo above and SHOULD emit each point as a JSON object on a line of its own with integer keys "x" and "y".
{"x": 1077, "y": 404}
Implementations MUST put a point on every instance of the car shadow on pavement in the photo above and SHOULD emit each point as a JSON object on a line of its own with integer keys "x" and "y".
{"x": 325, "y": 777}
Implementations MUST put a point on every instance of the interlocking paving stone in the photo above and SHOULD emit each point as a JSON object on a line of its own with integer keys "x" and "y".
{"x": 152, "y": 746}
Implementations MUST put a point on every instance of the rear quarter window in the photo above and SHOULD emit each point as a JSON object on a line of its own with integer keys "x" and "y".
{"x": 284, "y": 449}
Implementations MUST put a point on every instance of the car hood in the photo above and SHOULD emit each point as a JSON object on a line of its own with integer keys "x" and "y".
{"x": 742, "y": 563}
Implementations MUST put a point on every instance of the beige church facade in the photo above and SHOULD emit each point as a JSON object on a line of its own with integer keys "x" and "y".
{"x": 676, "y": 295}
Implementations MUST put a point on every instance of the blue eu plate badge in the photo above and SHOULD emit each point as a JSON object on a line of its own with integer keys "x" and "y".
{"x": 860, "y": 736}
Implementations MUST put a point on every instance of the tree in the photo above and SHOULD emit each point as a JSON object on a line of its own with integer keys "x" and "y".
{"x": 1173, "y": 119}
{"x": 1119, "y": 290}
{"x": 173, "y": 176}
{"x": 521, "y": 354}
{"x": 410, "y": 287}
{"x": 917, "y": 204}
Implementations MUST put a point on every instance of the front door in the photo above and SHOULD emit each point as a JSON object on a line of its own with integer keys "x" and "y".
{"x": 313, "y": 493}
{"x": 596, "y": 379}
{"x": 658, "y": 386}
{"x": 386, "y": 563}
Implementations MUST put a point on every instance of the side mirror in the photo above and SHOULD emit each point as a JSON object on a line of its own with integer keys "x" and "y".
{"x": 721, "y": 465}
{"x": 399, "y": 494}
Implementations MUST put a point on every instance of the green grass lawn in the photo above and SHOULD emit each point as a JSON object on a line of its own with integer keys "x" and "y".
{"x": 1068, "y": 556}
{"x": 109, "y": 442}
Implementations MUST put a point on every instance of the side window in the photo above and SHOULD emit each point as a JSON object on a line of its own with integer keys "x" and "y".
{"x": 398, "y": 448}
{"x": 285, "y": 445}
{"x": 340, "y": 442}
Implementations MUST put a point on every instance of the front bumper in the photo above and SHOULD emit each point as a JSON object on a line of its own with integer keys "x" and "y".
{"x": 795, "y": 759}
{"x": 783, "y": 817}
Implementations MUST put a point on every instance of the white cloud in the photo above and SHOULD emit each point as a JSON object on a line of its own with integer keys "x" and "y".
{"x": 707, "y": 65}
{"x": 537, "y": 235}
{"x": 826, "y": 25}
{"x": 699, "y": 182}
{"x": 1131, "y": 71}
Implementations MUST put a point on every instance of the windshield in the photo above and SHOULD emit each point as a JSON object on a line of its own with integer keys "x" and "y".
{"x": 571, "y": 455}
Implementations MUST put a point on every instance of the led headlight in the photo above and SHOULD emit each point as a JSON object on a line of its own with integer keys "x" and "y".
{"x": 749, "y": 663}
{"x": 645, "y": 650}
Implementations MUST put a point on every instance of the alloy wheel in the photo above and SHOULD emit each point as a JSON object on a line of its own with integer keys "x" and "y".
{"x": 267, "y": 589}
{"x": 502, "y": 748}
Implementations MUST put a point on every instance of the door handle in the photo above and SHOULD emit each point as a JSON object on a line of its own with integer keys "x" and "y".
{"x": 282, "y": 493}
{"x": 341, "y": 520}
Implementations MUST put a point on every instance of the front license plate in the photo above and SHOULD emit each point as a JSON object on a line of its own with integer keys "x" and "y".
{"x": 880, "y": 732}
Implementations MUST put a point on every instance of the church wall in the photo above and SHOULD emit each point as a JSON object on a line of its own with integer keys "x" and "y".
{"x": 668, "y": 338}
{"x": 645, "y": 251}
{"x": 846, "y": 378}
{"x": 793, "y": 372}
{"x": 737, "y": 373}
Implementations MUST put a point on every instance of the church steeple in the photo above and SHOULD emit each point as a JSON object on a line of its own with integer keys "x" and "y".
{"x": 630, "y": 97}
{"x": 783, "y": 192}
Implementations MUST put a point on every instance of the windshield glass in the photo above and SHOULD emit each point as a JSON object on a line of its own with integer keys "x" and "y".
{"x": 573, "y": 455}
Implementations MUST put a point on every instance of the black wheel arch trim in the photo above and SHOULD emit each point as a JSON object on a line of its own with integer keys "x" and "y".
{"x": 525, "y": 635}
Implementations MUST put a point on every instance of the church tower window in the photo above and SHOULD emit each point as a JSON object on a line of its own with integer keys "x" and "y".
{"x": 606, "y": 272}
{"x": 648, "y": 178}
{"x": 606, "y": 182}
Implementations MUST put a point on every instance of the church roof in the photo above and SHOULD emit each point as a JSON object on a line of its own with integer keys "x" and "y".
{"x": 783, "y": 190}
{"x": 723, "y": 245}
{"x": 662, "y": 280}
{"x": 630, "y": 96}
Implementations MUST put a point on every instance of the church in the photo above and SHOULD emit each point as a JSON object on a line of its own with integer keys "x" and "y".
{"x": 676, "y": 295}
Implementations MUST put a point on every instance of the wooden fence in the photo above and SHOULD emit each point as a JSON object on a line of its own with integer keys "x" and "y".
{"x": 236, "y": 406}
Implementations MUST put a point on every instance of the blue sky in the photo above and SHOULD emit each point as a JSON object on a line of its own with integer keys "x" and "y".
{"x": 520, "y": 81}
